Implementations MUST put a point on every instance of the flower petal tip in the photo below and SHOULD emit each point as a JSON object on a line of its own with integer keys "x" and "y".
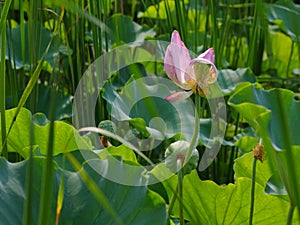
{"x": 209, "y": 54}
{"x": 178, "y": 96}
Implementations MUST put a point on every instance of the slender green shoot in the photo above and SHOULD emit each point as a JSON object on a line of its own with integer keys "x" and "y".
{"x": 289, "y": 220}
{"x": 180, "y": 190}
{"x": 30, "y": 86}
{"x": 252, "y": 191}
{"x": 172, "y": 202}
{"x": 293, "y": 184}
{"x": 213, "y": 10}
{"x": 60, "y": 197}
{"x": 193, "y": 142}
{"x": 27, "y": 218}
{"x": 258, "y": 154}
{"x": 48, "y": 170}
{"x": 4, "y": 14}
{"x": 2, "y": 93}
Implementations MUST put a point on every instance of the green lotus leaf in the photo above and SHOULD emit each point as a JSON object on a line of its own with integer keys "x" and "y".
{"x": 133, "y": 205}
{"x": 277, "y": 122}
{"x": 122, "y": 151}
{"x": 63, "y": 106}
{"x": 14, "y": 46}
{"x": 275, "y": 186}
{"x": 144, "y": 98}
{"x": 66, "y": 138}
{"x": 205, "y": 202}
{"x": 243, "y": 168}
{"x": 159, "y": 11}
{"x": 228, "y": 79}
{"x": 285, "y": 14}
{"x": 124, "y": 30}
{"x": 283, "y": 59}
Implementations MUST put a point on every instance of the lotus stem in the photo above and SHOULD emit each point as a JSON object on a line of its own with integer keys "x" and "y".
{"x": 290, "y": 214}
{"x": 196, "y": 129}
{"x": 252, "y": 191}
{"x": 258, "y": 154}
{"x": 172, "y": 202}
{"x": 180, "y": 190}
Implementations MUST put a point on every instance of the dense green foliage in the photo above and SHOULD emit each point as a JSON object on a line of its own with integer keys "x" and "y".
{"x": 113, "y": 171}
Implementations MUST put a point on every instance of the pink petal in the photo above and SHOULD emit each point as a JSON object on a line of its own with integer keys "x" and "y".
{"x": 205, "y": 74}
{"x": 178, "y": 96}
{"x": 209, "y": 54}
{"x": 176, "y": 62}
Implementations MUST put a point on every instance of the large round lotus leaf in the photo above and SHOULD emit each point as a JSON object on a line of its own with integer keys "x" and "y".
{"x": 144, "y": 98}
{"x": 205, "y": 202}
{"x": 66, "y": 138}
{"x": 277, "y": 122}
{"x": 133, "y": 205}
{"x": 261, "y": 109}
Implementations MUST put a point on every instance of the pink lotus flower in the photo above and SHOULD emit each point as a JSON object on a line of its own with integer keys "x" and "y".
{"x": 192, "y": 75}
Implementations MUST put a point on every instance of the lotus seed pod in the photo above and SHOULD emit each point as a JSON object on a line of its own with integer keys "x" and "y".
{"x": 258, "y": 152}
{"x": 108, "y": 125}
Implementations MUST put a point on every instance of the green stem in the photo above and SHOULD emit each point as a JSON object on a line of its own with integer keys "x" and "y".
{"x": 290, "y": 60}
{"x": 180, "y": 19}
{"x": 3, "y": 148}
{"x": 196, "y": 129}
{"x": 252, "y": 190}
{"x": 180, "y": 190}
{"x": 213, "y": 7}
{"x": 172, "y": 202}
{"x": 290, "y": 215}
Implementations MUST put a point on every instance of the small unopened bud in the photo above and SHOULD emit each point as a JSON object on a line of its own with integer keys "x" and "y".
{"x": 258, "y": 152}
{"x": 176, "y": 156}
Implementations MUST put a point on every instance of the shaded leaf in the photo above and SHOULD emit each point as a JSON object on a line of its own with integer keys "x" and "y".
{"x": 286, "y": 15}
{"x": 63, "y": 106}
{"x": 124, "y": 30}
{"x": 134, "y": 205}
{"x": 14, "y": 47}
{"x": 275, "y": 186}
{"x": 228, "y": 79}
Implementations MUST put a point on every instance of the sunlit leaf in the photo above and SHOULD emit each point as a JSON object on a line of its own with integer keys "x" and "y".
{"x": 274, "y": 123}
{"x": 205, "y": 202}
{"x": 66, "y": 138}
